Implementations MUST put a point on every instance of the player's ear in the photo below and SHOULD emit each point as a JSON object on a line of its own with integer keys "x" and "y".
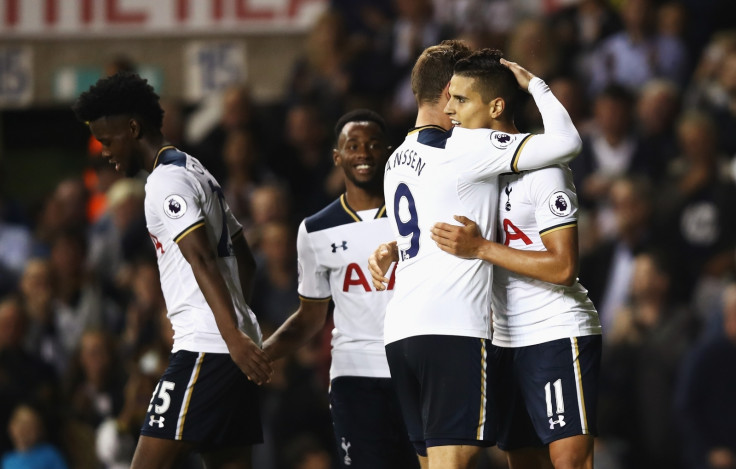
{"x": 336, "y": 157}
{"x": 497, "y": 107}
{"x": 135, "y": 128}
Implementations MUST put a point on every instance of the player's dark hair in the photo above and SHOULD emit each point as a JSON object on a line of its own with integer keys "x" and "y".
{"x": 433, "y": 69}
{"x": 492, "y": 78}
{"x": 124, "y": 93}
{"x": 359, "y": 115}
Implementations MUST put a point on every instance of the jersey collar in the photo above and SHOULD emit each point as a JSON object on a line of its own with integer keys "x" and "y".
{"x": 163, "y": 149}
{"x": 344, "y": 202}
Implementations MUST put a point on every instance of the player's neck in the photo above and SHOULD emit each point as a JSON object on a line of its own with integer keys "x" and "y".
{"x": 432, "y": 115}
{"x": 151, "y": 151}
{"x": 362, "y": 199}
{"x": 503, "y": 126}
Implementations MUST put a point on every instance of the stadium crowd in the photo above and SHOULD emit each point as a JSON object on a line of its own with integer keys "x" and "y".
{"x": 651, "y": 86}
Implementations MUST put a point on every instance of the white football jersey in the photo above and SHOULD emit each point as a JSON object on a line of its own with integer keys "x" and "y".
{"x": 181, "y": 196}
{"x": 436, "y": 174}
{"x": 528, "y": 311}
{"x": 333, "y": 249}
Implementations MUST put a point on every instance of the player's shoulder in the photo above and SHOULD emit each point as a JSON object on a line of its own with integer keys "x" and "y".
{"x": 335, "y": 214}
{"x": 552, "y": 172}
{"x": 484, "y": 139}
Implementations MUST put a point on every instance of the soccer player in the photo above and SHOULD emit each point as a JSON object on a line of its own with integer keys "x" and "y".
{"x": 207, "y": 399}
{"x": 437, "y": 323}
{"x": 334, "y": 245}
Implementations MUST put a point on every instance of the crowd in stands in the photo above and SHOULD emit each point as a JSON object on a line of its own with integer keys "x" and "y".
{"x": 651, "y": 86}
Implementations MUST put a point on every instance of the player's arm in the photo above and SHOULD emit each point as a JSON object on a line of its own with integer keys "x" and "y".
{"x": 203, "y": 261}
{"x": 558, "y": 264}
{"x": 298, "y": 328}
{"x": 560, "y": 142}
{"x": 379, "y": 263}
{"x": 246, "y": 265}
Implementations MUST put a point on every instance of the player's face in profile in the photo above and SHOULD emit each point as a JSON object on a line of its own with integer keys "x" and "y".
{"x": 466, "y": 107}
{"x": 117, "y": 137}
{"x": 362, "y": 153}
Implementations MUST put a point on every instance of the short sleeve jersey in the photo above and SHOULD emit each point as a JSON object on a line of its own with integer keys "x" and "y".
{"x": 333, "y": 250}
{"x": 432, "y": 176}
{"x": 528, "y": 311}
{"x": 182, "y": 196}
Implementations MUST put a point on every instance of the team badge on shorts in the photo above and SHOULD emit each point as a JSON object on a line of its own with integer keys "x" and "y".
{"x": 559, "y": 204}
{"x": 174, "y": 206}
{"x": 501, "y": 140}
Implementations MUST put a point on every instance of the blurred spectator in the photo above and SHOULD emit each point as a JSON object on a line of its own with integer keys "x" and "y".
{"x": 638, "y": 53}
{"x": 268, "y": 203}
{"x": 705, "y": 403}
{"x": 24, "y": 377}
{"x": 704, "y": 92}
{"x": 531, "y": 43}
{"x": 606, "y": 270}
{"x": 80, "y": 303}
{"x": 237, "y": 113}
{"x": 694, "y": 203}
{"x": 579, "y": 28}
{"x": 95, "y": 379}
{"x": 304, "y": 160}
{"x": 28, "y": 432}
{"x": 276, "y": 275}
{"x": 657, "y": 109}
{"x": 37, "y": 295}
{"x": 322, "y": 74}
{"x": 64, "y": 211}
{"x": 610, "y": 148}
{"x": 16, "y": 244}
{"x": 145, "y": 307}
{"x": 724, "y": 115}
{"x": 245, "y": 172}
{"x": 120, "y": 235}
{"x": 645, "y": 346}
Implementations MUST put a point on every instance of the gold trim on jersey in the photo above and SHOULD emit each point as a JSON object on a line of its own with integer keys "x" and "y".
{"x": 188, "y": 230}
{"x": 163, "y": 148}
{"x": 188, "y": 397}
{"x": 419, "y": 129}
{"x": 316, "y": 300}
{"x": 347, "y": 208}
{"x": 579, "y": 385}
{"x": 515, "y": 158}
{"x": 483, "y": 398}
{"x": 381, "y": 211}
{"x": 563, "y": 226}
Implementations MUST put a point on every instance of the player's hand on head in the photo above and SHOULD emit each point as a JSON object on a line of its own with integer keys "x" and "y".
{"x": 462, "y": 241}
{"x": 380, "y": 261}
{"x": 251, "y": 360}
{"x": 523, "y": 76}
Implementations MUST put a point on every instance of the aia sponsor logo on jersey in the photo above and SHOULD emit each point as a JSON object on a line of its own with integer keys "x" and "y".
{"x": 355, "y": 277}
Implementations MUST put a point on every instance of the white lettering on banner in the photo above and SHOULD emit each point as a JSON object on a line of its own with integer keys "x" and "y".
{"x": 43, "y": 18}
{"x": 16, "y": 76}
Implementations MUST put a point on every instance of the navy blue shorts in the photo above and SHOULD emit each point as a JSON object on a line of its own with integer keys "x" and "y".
{"x": 547, "y": 391}
{"x": 445, "y": 389}
{"x": 204, "y": 398}
{"x": 369, "y": 428}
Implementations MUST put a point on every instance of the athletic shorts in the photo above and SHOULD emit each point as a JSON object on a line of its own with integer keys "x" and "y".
{"x": 547, "y": 391}
{"x": 445, "y": 389}
{"x": 369, "y": 428}
{"x": 204, "y": 398}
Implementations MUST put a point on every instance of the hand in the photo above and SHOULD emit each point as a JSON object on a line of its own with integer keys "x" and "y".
{"x": 251, "y": 360}
{"x": 462, "y": 241}
{"x": 721, "y": 458}
{"x": 380, "y": 261}
{"x": 523, "y": 76}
